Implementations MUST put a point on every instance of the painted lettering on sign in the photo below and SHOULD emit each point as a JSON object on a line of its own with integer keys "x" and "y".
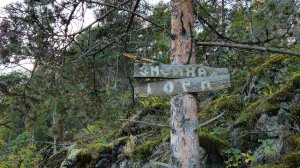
{"x": 176, "y": 71}
{"x": 169, "y": 87}
{"x": 186, "y": 85}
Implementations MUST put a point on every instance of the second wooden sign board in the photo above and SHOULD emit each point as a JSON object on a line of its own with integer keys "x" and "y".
{"x": 179, "y": 79}
{"x": 186, "y": 85}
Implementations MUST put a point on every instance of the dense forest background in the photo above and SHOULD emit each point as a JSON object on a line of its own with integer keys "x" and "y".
{"x": 76, "y": 107}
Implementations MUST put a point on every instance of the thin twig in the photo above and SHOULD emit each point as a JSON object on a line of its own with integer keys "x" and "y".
{"x": 211, "y": 120}
{"x": 98, "y": 19}
{"x": 167, "y": 126}
{"x": 146, "y": 123}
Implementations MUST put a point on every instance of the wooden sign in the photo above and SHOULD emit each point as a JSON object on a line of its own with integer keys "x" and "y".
{"x": 158, "y": 70}
{"x": 186, "y": 85}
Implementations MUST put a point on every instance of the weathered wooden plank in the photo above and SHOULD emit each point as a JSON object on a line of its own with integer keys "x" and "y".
{"x": 158, "y": 70}
{"x": 186, "y": 85}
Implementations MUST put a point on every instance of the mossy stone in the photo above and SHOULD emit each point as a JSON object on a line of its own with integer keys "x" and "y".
{"x": 293, "y": 141}
{"x": 269, "y": 105}
{"x": 144, "y": 149}
{"x": 274, "y": 60}
{"x": 228, "y": 104}
{"x": 271, "y": 166}
{"x": 253, "y": 112}
{"x": 95, "y": 149}
{"x": 212, "y": 143}
{"x": 287, "y": 91}
{"x": 296, "y": 112}
{"x": 292, "y": 160}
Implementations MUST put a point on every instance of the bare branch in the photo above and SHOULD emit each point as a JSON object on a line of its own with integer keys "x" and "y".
{"x": 211, "y": 120}
{"x": 146, "y": 123}
{"x": 132, "y": 15}
{"x": 6, "y": 125}
{"x": 98, "y": 19}
{"x": 249, "y": 47}
{"x": 131, "y": 56}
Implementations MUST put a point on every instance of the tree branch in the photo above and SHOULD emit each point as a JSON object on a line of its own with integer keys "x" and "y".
{"x": 98, "y": 19}
{"x": 249, "y": 47}
{"x": 136, "y": 14}
{"x": 146, "y": 123}
{"x": 6, "y": 125}
{"x": 211, "y": 120}
{"x": 132, "y": 15}
{"x": 131, "y": 56}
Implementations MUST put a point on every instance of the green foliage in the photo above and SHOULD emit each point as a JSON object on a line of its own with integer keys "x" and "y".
{"x": 154, "y": 102}
{"x": 145, "y": 148}
{"x": 219, "y": 132}
{"x": 19, "y": 151}
{"x": 237, "y": 158}
{"x": 269, "y": 91}
{"x": 95, "y": 149}
{"x": 234, "y": 159}
{"x": 268, "y": 147}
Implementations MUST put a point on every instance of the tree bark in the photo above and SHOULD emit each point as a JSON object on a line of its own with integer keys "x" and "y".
{"x": 184, "y": 138}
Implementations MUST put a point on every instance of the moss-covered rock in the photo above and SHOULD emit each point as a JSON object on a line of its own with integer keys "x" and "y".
{"x": 144, "y": 149}
{"x": 214, "y": 149}
{"x": 95, "y": 149}
{"x": 228, "y": 104}
{"x": 271, "y": 166}
{"x": 212, "y": 143}
{"x": 253, "y": 112}
{"x": 295, "y": 112}
{"x": 287, "y": 91}
{"x": 272, "y": 61}
{"x": 292, "y": 160}
{"x": 293, "y": 142}
{"x": 270, "y": 105}
{"x": 72, "y": 157}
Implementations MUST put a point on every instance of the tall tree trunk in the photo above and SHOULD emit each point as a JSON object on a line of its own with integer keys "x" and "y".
{"x": 184, "y": 138}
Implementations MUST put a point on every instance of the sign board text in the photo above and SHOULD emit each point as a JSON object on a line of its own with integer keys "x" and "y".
{"x": 185, "y": 85}
{"x": 158, "y": 70}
